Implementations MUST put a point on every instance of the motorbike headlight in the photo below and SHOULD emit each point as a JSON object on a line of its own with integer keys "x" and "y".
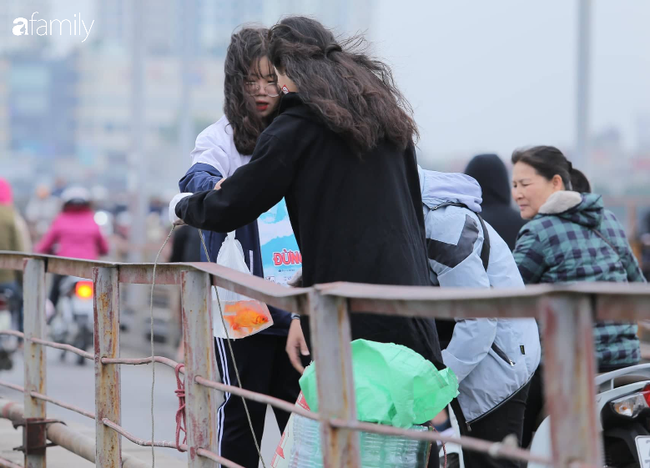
{"x": 630, "y": 405}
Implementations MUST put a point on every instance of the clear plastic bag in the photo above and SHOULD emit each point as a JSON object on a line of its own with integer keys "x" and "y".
{"x": 300, "y": 446}
{"x": 242, "y": 315}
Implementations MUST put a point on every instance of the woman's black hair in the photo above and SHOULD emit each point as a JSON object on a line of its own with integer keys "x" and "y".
{"x": 353, "y": 94}
{"x": 246, "y": 48}
{"x": 579, "y": 182}
{"x": 548, "y": 161}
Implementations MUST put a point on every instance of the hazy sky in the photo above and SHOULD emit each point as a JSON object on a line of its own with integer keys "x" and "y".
{"x": 494, "y": 75}
{"x": 491, "y": 76}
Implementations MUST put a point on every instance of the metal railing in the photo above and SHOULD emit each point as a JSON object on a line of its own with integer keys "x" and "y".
{"x": 566, "y": 312}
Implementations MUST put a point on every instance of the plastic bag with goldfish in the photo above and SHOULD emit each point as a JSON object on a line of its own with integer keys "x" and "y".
{"x": 242, "y": 315}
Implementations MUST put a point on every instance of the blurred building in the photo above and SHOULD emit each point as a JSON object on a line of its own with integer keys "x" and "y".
{"x": 76, "y": 109}
{"x": 161, "y": 28}
{"x": 5, "y": 143}
{"x": 212, "y": 22}
{"x": 104, "y": 120}
{"x": 643, "y": 133}
{"x": 218, "y": 19}
{"x": 11, "y": 10}
{"x": 344, "y": 16}
{"x": 641, "y": 160}
{"x": 37, "y": 106}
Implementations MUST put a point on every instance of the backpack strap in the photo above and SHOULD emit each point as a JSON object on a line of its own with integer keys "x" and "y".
{"x": 445, "y": 327}
{"x": 485, "y": 249}
{"x": 608, "y": 242}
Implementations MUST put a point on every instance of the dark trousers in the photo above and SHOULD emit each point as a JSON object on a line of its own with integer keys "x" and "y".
{"x": 534, "y": 406}
{"x": 507, "y": 419}
{"x": 264, "y": 367}
{"x": 55, "y": 291}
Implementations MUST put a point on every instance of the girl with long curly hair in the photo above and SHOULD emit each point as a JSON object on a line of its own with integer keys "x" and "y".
{"x": 251, "y": 101}
{"x": 341, "y": 152}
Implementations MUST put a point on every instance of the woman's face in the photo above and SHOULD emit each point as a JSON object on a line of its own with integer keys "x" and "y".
{"x": 262, "y": 87}
{"x": 531, "y": 190}
{"x": 285, "y": 83}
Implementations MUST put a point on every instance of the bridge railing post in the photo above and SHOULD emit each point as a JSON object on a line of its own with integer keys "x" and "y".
{"x": 34, "y": 439}
{"x": 569, "y": 373}
{"x": 331, "y": 336}
{"x": 200, "y": 402}
{"x": 106, "y": 302}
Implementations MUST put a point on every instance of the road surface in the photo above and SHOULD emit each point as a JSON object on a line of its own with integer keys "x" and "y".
{"x": 74, "y": 384}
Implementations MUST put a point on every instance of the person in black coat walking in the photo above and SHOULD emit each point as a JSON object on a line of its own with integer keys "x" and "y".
{"x": 341, "y": 152}
{"x": 492, "y": 175}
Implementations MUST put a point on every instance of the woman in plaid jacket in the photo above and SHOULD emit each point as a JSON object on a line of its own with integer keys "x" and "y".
{"x": 571, "y": 237}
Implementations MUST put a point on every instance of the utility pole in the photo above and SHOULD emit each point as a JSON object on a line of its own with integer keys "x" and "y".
{"x": 186, "y": 137}
{"x": 137, "y": 183}
{"x": 137, "y": 166}
{"x": 581, "y": 157}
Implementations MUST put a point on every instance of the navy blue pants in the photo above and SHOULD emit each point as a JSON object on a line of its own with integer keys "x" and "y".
{"x": 264, "y": 367}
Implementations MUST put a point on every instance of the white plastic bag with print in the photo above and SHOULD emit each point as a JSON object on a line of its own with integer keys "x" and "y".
{"x": 242, "y": 315}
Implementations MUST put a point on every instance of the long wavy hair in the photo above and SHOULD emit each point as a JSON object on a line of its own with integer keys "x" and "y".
{"x": 246, "y": 48}
{"x": 354, "y": 94}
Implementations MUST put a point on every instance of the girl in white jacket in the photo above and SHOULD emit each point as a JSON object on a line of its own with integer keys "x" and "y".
{"x": 251, "y": 100}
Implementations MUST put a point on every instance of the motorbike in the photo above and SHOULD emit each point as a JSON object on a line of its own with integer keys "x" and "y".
{"x": 72, "y": 322}
{"x": 623, "y": 405}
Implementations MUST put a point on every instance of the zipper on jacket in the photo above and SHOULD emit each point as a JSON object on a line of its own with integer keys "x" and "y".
{"x": 499, "y": 352}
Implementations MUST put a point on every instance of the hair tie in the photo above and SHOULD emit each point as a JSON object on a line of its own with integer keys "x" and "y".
{"x": 332, "y": 48}
{"x": 570, "y": 165}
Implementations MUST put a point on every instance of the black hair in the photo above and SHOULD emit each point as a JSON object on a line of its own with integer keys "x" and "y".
{"x": 579, "y": 182}
{"x": 548, "y": 161}
{"x": 353, "y": 94}
{"x": 246, "y": 47}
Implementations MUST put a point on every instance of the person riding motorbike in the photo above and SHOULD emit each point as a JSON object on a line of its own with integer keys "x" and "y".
{"x": 74, "y": 233}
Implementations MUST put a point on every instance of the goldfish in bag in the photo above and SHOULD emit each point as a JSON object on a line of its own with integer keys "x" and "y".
{"x": 242, "y": 316}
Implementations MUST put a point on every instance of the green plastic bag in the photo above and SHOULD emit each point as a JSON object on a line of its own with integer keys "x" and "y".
{"x": 394, "y": 385}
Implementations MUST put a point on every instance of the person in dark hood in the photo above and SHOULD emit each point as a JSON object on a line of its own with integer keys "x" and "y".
{"x": 492, "y": 175}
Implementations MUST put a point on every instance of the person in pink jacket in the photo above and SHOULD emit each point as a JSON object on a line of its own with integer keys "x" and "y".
{"x": 74, "y": 233}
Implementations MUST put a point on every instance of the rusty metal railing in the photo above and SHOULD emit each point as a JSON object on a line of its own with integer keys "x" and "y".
{"x": 566, "y": 312}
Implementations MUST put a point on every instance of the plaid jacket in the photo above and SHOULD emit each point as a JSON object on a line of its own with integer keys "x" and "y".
{"x": 562, "y": 244}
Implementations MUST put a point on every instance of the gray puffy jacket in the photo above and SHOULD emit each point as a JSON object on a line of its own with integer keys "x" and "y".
{"x": 492, "y": 358}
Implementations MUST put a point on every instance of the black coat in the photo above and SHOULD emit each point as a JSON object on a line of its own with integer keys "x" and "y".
{"x": 492, "y": 175}
{"x": 186, "y": 245}
{"x": 355, "y": 219}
